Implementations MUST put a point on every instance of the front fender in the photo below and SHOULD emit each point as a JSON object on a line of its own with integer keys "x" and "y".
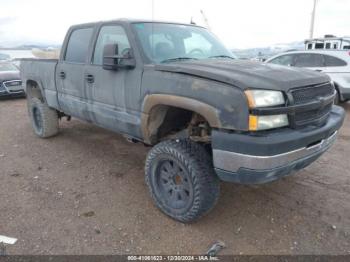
{"x": 224, "y": 106}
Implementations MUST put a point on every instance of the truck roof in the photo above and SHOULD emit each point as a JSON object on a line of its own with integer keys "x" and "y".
{"x": 132, "y": 20}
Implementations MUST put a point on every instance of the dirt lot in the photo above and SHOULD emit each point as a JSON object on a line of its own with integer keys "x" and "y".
{"x": 83, "y": 192}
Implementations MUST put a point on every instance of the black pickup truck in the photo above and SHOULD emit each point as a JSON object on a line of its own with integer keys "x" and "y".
{"x": 208, "y": 116}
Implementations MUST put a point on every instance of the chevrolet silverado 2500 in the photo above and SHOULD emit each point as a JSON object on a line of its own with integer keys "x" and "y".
{"x": 208, "y": 116}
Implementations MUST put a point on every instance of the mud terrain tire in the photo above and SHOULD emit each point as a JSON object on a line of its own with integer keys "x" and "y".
{"x": 181, "y": 179}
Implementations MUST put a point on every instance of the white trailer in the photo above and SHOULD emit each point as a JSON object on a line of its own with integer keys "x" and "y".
{"x": 329, "y": 42}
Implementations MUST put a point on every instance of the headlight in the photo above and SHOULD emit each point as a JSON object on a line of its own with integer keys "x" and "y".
{"x": 267, "y": 122}
{"x": 263, "y": 98}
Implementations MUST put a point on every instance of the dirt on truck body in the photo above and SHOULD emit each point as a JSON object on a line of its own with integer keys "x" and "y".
{"x": 175, "y": 87}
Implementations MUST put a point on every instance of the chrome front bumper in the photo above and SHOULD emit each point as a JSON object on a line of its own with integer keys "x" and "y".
{"x": 232, "y": 162}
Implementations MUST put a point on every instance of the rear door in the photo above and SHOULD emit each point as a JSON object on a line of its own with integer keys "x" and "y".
{"x": 113, "y": 95}
{"x": 70, "y": 79}
{"x": 310, "y": 61}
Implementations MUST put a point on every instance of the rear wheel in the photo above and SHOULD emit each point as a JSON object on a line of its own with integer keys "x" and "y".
{"x": 181, "y": 179}
{"x": 44, "y": 119}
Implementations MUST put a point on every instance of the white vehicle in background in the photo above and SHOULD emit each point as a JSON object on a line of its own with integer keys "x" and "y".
{"x": 336, "y": 64}
{"x": 328, "y": 42}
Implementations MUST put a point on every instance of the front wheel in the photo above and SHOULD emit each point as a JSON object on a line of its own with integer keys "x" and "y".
{"x": 181, "y": 179}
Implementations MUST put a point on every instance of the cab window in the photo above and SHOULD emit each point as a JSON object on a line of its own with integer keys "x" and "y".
{"x": 78, "y": 45}
{"x": 110, "y": 34}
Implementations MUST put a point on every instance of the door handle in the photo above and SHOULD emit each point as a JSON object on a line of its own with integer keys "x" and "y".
{"x": 318, "y": 70}
{"x": 89, "y": 78}
{"x": 62, "y": 75}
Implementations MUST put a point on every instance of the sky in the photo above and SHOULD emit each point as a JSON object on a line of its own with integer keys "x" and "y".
{"x": 238, "y": 23}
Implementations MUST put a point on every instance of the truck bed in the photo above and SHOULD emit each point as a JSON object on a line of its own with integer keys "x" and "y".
{"x": 43, "y": 71}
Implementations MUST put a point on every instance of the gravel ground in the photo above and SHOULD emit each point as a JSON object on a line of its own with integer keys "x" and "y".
{"x": 83, "y": 192}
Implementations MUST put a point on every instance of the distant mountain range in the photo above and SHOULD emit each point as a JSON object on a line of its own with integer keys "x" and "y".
{"x": 29, "y": 47}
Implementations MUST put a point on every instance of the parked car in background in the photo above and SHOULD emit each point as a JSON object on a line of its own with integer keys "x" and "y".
{"x": 336, "y": 64}
{"x": 10, "y": 80}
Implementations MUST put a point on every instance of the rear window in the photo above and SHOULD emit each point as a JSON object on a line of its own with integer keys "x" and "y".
{"x": 78, "y": 45}
{"x": 333, "y": 61}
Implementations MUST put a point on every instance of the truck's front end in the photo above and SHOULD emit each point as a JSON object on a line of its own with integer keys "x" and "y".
{"x": 273, "y": 119}
{"x": 287, "y": 132}
{"x": 212, "y": 116}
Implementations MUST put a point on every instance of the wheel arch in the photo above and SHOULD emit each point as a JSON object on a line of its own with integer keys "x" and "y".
{"x": 33, "y": 88}
{"x": 155, "y": 108}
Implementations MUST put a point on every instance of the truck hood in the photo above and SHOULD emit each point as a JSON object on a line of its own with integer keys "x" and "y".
{"x": 9, "y": 75}
{"x": 247, "y": 74}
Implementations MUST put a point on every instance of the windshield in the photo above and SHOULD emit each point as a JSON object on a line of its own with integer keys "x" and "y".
{"x": 7, "y": 67}
{"x": 163, "y": 42}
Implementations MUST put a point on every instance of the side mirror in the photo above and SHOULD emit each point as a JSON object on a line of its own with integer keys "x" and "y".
{"x": 113, "y": 61}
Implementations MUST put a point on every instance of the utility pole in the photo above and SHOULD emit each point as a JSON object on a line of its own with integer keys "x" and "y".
{"x": 313, "y": 14}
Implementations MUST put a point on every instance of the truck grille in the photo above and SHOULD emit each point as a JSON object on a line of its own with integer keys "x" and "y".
{"x": 309, "y": 94}
{"x": 312, "y": 114}
{"x": 2, "y": 88}
{"x": 13, "y": 86}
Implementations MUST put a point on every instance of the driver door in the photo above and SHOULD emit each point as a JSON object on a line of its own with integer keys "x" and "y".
{"x": 113, "y": 94}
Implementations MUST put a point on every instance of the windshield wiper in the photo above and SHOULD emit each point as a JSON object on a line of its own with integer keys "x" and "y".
{"x": 175, "y": 59}
{"x": 221, "y": 56}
